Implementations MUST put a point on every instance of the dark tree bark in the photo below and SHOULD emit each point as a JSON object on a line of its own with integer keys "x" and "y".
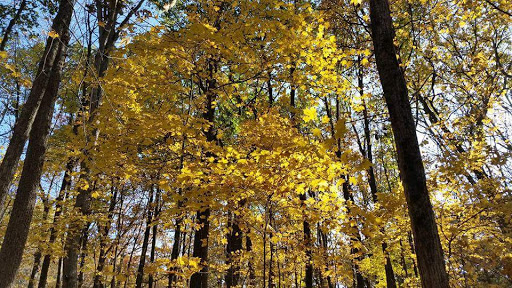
{"x": 200, "y": 279}
{"x": 19, "y": 223}
{"x": 428, "y": 245}
{"x": 10, "y": 26}
{"x": 52, "y": 56}
{"x": 233, "y": 248}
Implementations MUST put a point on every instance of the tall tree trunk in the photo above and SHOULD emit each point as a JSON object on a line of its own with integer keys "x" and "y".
{"x": 54, "y": 52}
{"x": 10, "y": 26}
{"x": 19, "y": 223}
{"x": 200, "y": 279}
{"x": 428, "y": 245}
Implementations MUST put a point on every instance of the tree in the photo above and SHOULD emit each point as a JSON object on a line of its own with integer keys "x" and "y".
{"x": 426, "y": 238}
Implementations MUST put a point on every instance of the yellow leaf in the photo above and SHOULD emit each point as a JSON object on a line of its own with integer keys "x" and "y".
{"x": 53, "y": 34}
{"x": 309, "y": 114}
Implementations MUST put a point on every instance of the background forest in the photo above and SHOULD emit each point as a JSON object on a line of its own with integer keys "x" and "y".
{"x": 263, "y": 143}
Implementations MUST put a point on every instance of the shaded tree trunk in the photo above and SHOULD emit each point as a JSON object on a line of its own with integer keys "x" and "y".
{"x": 428, "y": 245}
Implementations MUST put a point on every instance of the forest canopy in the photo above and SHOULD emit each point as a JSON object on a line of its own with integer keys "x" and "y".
{"x": 255, "y": 143}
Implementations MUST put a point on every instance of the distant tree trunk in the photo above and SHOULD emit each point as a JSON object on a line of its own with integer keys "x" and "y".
{"x": 175, "y": 251}
{"x": 372, "y": 181}
{"x": 119, "y": 226}
{"x": 323, "y": 240}
{"x": 402, "y": 259}
{"x": 84, "y": 239}
{"x": 35, "y": 268}
{"x": 200, "y": 279}
{"x": 98, "y": 281}
{"x": 308, "y": 278}
{"x": 153, "y": 240}
{"x": 54, "y": 52}
{"x": 66, "y": 181}
{"x": 233, "y": 249}
{"x": 388, "y": 267}
{"x": 19, "y": 223}
{"x": 10, "y": 26}
{"x": 58, "y": 281}
{"x": 145, "y": 243}
{"x": 271, "y": 247}
{"x": 37, "y": 255}
{"x": 428, "y": 245}
{"x": 248, "y": 248}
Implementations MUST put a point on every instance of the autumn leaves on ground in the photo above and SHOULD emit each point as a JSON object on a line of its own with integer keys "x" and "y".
{"x": 244, "y": 143}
